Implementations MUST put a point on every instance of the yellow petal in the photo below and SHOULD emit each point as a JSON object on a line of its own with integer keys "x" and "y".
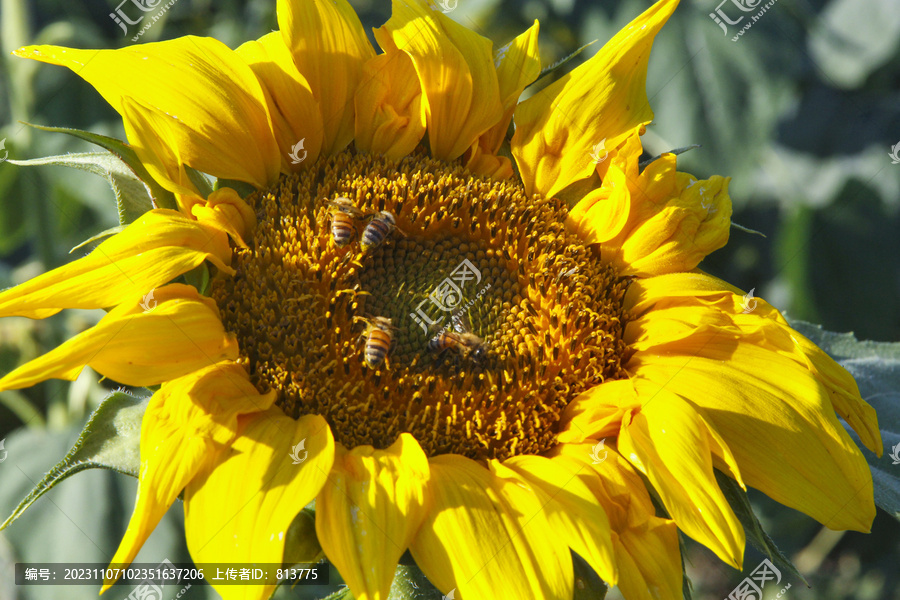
{"x": 603, "y": 212}
{"x": 369, "y": 511}
{"x": 844, "y": 394}
{"x": 672, "y": 445}
{"x": 602, "y": 100}
{"x": 676, "y": 221}
{"x": 573, "y": 511}
{"x": 185, "y": 422}
{"x": 159, "y": 246}
{"x": 734, "y": 314}
{"x": 646, "y": 547}
{"x": 777, "y": 418}
{"x": 518, "y": 64}
{"x": 227, "y": 211}
{"x": 483, "y": 163}
{"x": 238, "y": 509}
{"x": 195, "y": 92}
{"x": 487, "y": 537}
{"x": 390, "y": 115}
{"x": 456, "y": 73}
{"x": 295, "y": 112}
{"x": 329, "y": 47}
{"x": 599, "y": 411}
{"x": 180, "y": 333}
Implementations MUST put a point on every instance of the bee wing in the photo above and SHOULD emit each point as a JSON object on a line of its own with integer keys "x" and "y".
{"x": 462, "y": 324}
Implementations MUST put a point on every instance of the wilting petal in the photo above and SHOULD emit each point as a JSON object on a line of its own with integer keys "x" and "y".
{"x": 239, "y": 508}
{"x": 673, "y": 446}
{"x": 517, "y": 554}
{"x": 602, "y": 100}
{"x": 185, "y": 423}
{"x": 369, "y": 511}
{"x": 390, "y": 115}
{"x": 573, "y": 511}
{"x": 295, "y": 113}
{"x": 329, "y": 47}
{"x": 194, "y": 93}
{"x": 486, "y": 164}
{"x": 159, "y": 246}
{"x": 518, "y": 64}
{"x": 646, "y": 547}
{"x": 599, "y": 411}
{"x": 456, "y": 73}
{"x": 603, "y": 212}
{"x": 675, "y": 221}
{"x": 227, "y": 211}
{"x": 777, "y": 418}
{"x": 658, "y": 306}
{"x": 174, "y": 333}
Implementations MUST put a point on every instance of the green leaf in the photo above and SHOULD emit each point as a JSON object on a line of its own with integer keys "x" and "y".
{"x": 740, "y": 504}
{"x": 876, "y": 368}
{"x": 132, "y": 195}
{"x": 110, "y": 440}
{"x": 162, "y": 198}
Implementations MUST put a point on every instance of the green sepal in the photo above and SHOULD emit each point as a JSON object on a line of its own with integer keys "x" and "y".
{"x": 243, "y": 188}
{"x": 747, "y": 229}
{"x": 103, "y": 234}
{"x": 561, "y": 62}
{"x": 109, "y": 440}
{"x": 200, "y": 181}
{"x": 301, "y": 544}
{"x": 643, "y": 164}
{"x": 756, "y": 535}
{"x": 588, "y": 585}
{"x": 161, "y": 197}
{"x": 199, "y": 278}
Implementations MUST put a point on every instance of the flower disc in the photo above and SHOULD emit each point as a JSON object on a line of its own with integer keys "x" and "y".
{"x": 471, "y": 256}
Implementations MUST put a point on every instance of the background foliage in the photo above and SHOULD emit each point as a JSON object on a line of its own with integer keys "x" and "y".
{"x": 801, "y": 112}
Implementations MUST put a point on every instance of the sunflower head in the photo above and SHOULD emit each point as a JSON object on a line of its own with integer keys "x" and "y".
{"x": 494, "y": 351}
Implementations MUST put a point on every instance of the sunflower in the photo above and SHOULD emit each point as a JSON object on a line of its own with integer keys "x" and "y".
{"x": 490, "y": 352}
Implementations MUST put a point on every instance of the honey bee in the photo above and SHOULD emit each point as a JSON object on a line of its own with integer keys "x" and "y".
{"x": 378, "y": 230}
{"x": 379, "y": 338}
{"x": 462, "y": 341}
{"x": 342, "y": 214}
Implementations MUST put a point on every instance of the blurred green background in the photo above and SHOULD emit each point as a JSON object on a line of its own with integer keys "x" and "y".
{"x": 802, "y": 112}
